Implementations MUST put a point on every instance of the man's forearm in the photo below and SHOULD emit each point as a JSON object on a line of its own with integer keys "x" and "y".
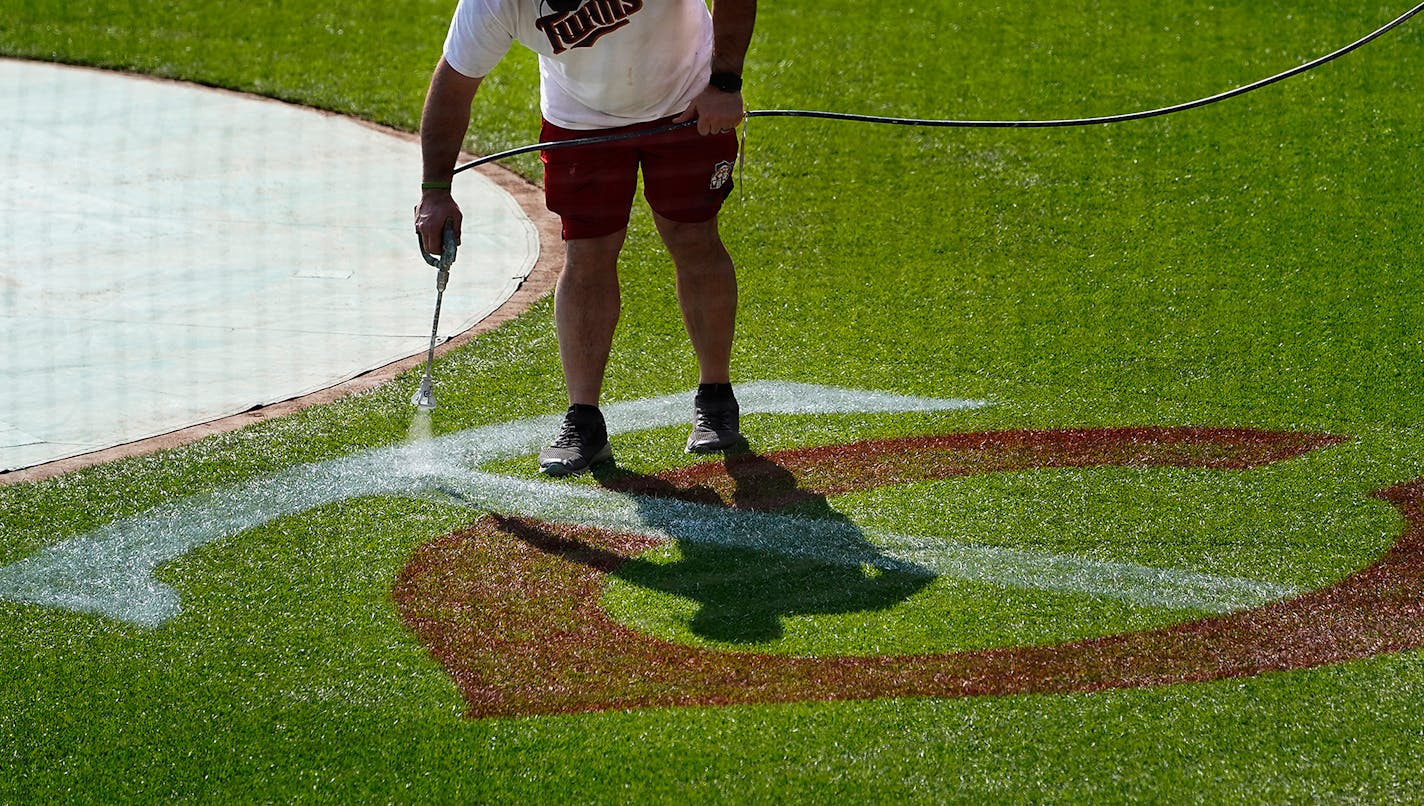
{"x": 444, "y": 121}
{"x": 732, "y": 24}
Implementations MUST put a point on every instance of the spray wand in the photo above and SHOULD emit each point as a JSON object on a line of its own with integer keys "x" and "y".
{"x": 424, "y": 398}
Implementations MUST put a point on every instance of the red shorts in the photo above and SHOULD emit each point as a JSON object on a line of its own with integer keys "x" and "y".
{"x": 686, "y": 176}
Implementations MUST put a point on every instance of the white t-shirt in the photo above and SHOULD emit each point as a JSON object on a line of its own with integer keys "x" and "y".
{"x": 608, "y": 63}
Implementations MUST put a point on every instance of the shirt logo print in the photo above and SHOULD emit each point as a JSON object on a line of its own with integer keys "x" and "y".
{"x": 588, "y": 23}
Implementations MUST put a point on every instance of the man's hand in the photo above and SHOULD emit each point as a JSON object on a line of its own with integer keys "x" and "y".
{"x": 715, "y": 111}
{"x": 435, "y": 208}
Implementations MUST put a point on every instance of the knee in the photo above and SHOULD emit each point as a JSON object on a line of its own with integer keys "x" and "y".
{"x": 694, "y": 246}
{"x": 592, "y": 259}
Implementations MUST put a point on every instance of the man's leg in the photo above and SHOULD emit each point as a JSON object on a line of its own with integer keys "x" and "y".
{"x": 586, "y": 305}
{"x": 591, "y": 188}
{"x": 707, "y": 294}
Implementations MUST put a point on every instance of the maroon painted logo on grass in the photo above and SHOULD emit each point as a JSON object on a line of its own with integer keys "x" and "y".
{"x": 510, "y": 608}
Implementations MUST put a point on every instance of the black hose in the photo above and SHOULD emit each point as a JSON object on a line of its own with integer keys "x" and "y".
{"x": 968, "y": 124}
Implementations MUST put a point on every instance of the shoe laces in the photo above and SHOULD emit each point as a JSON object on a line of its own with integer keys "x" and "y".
{"x": 568, "y": 436}
{"x": 715, "y": 418}
{"x": 573, "y": 434}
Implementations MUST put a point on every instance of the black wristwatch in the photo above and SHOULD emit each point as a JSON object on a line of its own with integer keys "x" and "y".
{"x": 726, "y": 82}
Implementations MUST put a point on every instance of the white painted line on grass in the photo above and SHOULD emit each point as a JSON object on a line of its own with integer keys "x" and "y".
{"x": 109, "y": 571}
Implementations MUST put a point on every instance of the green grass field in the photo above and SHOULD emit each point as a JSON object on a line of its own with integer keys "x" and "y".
{"x": 1253, "y": 264}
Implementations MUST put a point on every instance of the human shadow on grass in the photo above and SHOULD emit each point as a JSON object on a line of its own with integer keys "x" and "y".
{"x": 747, "y": 568}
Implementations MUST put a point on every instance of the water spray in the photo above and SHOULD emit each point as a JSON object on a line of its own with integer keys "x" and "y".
{"x": 424, "y": 398}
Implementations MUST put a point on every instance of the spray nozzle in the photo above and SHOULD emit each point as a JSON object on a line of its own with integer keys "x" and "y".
{"x": 424, "y": 398}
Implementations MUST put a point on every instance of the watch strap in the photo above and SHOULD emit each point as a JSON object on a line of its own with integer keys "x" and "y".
{"x": 726, "y": 82}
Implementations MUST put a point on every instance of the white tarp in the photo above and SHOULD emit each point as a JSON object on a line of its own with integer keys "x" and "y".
{"x": 171, "y": 254}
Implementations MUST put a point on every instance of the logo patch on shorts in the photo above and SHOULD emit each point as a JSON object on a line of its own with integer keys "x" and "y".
{"x": 720, "y": 175}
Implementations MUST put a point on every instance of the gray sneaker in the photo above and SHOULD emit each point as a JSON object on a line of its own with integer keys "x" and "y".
{"x": 715, "y": 425}
{"x": 582, "y": 442}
